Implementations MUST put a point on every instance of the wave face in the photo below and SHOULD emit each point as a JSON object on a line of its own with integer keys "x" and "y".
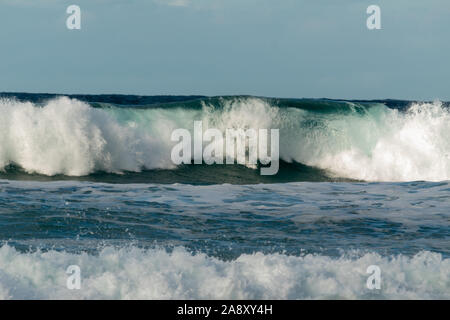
{"x": 132, "y": 273}
{"x": 360, "y": 141}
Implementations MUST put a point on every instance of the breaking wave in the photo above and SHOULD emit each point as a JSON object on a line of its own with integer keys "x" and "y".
{"x": 132, "y": 273}
{"x": 361, "y": 141}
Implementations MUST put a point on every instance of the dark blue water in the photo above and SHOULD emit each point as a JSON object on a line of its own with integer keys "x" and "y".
{"x": 228, "y": 220}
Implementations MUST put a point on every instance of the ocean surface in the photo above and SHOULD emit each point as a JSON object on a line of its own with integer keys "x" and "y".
{"x": 87, "y": 180}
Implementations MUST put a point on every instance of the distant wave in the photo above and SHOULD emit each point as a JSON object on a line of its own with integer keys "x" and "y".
{"x": 132, "y": 273}
{"x": 361, "y": 141}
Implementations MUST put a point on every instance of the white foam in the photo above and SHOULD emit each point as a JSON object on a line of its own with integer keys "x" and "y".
{"x": 131, "y": 273}
{"x": 404, "y": 147}
{"x": 69, "y": 137}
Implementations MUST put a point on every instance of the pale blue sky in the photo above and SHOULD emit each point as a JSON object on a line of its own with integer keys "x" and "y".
{"x": 286, "y": 48}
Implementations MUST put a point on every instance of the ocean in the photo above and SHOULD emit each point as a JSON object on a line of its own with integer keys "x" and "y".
{"x": 88, "y": 180}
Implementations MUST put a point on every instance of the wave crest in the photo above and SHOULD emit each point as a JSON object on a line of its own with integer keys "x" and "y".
{"x": 366, "y": 142}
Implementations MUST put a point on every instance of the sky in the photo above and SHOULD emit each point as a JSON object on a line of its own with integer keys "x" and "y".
{"x": 285, "y": 48}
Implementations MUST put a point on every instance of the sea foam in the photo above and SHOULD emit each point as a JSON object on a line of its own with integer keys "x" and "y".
{"x": 132, "y": 273}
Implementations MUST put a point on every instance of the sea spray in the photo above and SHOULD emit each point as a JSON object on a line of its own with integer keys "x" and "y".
{"x": 368, "y": 141}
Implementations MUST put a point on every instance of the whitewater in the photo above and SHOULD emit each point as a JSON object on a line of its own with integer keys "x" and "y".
{"x": 369, "y": 142}
{"x": 132, "y": 273}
